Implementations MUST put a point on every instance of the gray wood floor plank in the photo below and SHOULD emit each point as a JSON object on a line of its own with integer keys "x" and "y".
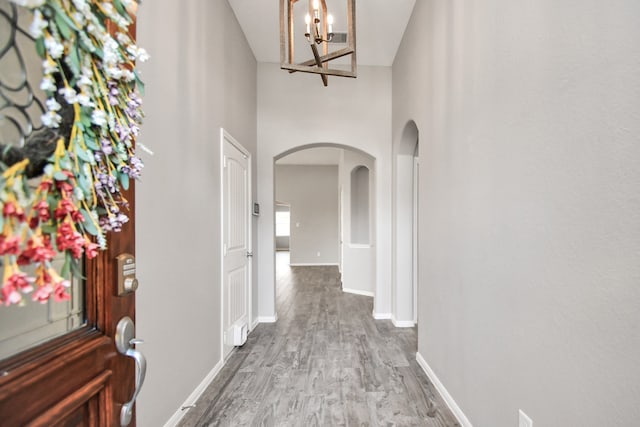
{"x": 326, "y": 362}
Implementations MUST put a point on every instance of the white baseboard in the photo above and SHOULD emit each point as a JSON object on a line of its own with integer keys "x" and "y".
{"x": 268, "y": 319}
{"x": 382, "y": 316}
{"x": 312, "y": 264}
{"x": 255, "y": 323}
{"x": 194, "y": 396}
{"x": 448, "y": 399}
{"x": 358, "y": 292}
{"x": 402, "y": 323}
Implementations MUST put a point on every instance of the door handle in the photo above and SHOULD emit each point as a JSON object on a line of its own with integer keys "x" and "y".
{"x": 125, "y": 333}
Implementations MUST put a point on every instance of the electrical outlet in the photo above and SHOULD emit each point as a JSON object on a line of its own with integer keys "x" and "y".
{"x": 525, "y": 421}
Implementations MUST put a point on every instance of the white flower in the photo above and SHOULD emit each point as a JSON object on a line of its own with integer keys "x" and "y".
{"x": 128, "y": 75}
{"x": 84, "y": 100}
{"x": 52, "y": 105}
{"x": 47, "y": 84}
{"x": 82, "y": 6}
{"x": 49, "y": 67}
{"x": 69, "y": 94}
{"x": 29, "y": 3}
{"x": 137, "y": 53}
{"x": 114, "y": 72}
{"x": 123, "y": 38}
{"x": 51, "y": 119}
{"x": 108, "y": 8}
{"x": 98, "y": 117}
{"x": 77, "y": 191}
{"x": 54, "y": 48}
{"x": 84, "y": 81}
{"x": 37, "y": 25}
{"x": 79, "y": 18}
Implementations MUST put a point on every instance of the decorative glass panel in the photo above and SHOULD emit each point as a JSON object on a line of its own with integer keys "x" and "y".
{"x": 21, "y": 105}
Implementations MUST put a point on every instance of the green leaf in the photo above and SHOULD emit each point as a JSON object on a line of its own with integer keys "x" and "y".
{"x": 40, "y": 47}
{"x": 120, "y": 8}
{"x": 75, "y": 269}
{"x": 91, "y": 143}
{"x": 85, "y": 119}
{"x": 1, "y": 222}
{"x": 67, "y": 265}
{"x": 75, "y": 59}
{"x": 60, "y": 176}
{"x": 48, "y": 228}
{"x": 63, "y": 27}
{"x": 88, "y": 224}
{"x": 63, "y": 15}
{"x": 124, "y": 180}
{"x": 84, "y": 155}
{"x": 84, "y": 184}
{"x": 139, "y": 83}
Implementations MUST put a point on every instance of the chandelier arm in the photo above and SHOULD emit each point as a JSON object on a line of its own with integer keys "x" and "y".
{"x": 326, "y": 58}
{"x": 316, "y": 55}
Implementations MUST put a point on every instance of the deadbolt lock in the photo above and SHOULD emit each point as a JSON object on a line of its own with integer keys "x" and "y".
{"x": 126, "y": 272}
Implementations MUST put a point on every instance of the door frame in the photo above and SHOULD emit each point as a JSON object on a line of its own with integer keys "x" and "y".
{"x": 226, "y": 136}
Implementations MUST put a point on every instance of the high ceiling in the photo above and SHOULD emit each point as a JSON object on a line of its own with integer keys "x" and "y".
{"x": 380, "y": 25}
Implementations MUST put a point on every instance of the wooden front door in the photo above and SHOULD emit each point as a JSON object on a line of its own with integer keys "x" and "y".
{"x": 78, "y": 378}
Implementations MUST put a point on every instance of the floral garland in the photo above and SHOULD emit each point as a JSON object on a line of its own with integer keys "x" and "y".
{"x": 90, "y": 70}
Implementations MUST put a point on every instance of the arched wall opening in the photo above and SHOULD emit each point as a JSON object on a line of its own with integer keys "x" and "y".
{"x": 404, "y": 290}
{"x": 356, "y": 210}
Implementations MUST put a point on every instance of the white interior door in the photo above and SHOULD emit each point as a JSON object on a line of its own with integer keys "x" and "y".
{"x": 236, "y": 250}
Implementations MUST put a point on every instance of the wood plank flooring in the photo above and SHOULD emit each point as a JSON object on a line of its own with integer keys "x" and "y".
{"x": 326, "y": 362}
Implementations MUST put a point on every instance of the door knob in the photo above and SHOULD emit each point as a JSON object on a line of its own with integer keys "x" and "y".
{"x": 125, "y": 341}
{"x": 249, "y": 254}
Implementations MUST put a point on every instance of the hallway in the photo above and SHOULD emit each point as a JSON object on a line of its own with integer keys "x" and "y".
{"x": 326, "y": 362}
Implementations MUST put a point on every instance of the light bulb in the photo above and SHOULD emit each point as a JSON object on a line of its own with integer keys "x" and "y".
{"x": 316, "y": 5}
{"x": 307, "y": 20}
{"x": 330, "y": 22}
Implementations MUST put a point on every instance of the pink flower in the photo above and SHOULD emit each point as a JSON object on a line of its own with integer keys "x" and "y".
{"x": 64, "y": 207}
{"x": 46, "y": 185}
{"x": 43, "y": 210}
{"x": 90, "y": 249}
{"x": 10, "y": 295}
{"x": 21, "y": 282}
{"x": 60, "y": 291}
{"x": 77, "y": 217}
{"x": 10, "y": 246}
{"x": 38, "y": 250}
{"x": 11, "y": 210}
{"x": 42, "y": 294}
{"x": 68, "y": 239}
{"x": 43, "y": 254}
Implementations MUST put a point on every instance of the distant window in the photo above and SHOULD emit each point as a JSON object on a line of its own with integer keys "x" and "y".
{"x": 282, "y": 223}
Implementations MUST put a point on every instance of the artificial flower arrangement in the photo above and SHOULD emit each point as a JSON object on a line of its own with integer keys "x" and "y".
{"x": 92, "y": 86}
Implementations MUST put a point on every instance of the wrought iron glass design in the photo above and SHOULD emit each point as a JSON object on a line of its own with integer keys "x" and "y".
{"x": 23, "y": 135}
{"x": 21, "y": 101}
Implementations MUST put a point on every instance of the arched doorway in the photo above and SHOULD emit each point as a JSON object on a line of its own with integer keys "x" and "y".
{"x": 405, "y": 214}
{"x": 351, "y": 243}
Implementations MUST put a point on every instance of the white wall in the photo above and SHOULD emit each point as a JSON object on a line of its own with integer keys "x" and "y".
{"x": 312, "y": 193}
{"x": 359, "y": 267}
{"x": 201, "y": 76}
{"x": 529, "y": 117}
{"x": 296, "y": 110}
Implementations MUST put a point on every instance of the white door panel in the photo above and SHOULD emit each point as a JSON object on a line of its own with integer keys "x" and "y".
{"x": 236, "y": 242}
